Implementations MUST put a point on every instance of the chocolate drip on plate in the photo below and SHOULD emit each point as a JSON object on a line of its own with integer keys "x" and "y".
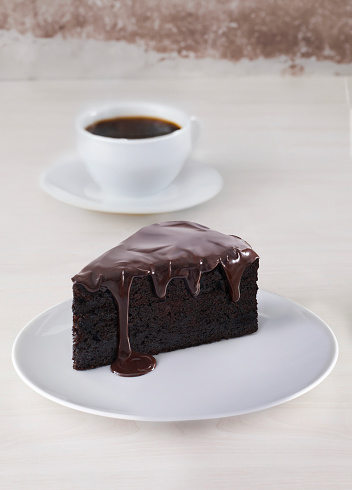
{"x": 164, "y": 251}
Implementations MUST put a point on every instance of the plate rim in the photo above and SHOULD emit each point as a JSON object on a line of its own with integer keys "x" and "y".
{"x": 114, "y": 414}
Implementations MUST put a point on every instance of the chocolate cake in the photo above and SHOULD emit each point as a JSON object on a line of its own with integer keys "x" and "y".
{"x": 169, "y": 286}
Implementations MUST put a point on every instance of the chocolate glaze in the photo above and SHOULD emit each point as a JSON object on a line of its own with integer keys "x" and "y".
{"x": 163, "y": 251}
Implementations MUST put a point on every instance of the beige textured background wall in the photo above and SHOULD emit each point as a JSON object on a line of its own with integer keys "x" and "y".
{"x": 107, "y": 38}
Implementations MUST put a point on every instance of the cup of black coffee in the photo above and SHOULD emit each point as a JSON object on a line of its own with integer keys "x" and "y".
{"x": 135, "y": 149}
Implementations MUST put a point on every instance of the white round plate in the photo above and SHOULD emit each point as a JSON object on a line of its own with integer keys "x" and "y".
{"x": 292, "y": 352}
{"x": 68, "y": 181}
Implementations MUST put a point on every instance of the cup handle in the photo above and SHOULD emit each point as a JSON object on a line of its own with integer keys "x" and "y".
{"x": 195, "y": 129}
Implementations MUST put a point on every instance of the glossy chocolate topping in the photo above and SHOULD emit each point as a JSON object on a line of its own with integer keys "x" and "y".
{"x": 163, "y": 251}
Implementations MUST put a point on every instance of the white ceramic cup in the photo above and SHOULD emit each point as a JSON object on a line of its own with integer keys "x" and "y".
{"x": 135, "y": 167}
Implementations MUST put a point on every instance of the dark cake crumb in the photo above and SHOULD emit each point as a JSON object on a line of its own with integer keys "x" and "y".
{"x": 157, "y": 325}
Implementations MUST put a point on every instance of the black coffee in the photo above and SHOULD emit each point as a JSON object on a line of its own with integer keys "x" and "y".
{"x": 133, "y": 127}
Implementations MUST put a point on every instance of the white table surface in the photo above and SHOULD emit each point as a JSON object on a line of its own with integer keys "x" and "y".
{"x": 282, "y": 146}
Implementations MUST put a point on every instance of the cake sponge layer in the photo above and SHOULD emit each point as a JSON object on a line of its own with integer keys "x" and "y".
{"x": 161, "y": 325}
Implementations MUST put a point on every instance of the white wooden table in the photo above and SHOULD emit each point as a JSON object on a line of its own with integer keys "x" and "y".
{"x": 282, "y": 146}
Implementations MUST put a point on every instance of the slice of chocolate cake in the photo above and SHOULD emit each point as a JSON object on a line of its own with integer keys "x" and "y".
{"x": 169, "y": 286}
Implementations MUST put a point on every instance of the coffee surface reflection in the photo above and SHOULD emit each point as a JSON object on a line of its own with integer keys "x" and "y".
{"x": 133, "y": 127}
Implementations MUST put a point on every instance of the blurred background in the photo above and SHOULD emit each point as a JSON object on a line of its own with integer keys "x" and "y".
{"x": 168, "y": 38}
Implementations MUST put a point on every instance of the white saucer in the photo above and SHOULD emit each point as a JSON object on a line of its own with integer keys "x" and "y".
{"x": 68, "y": 181}
{"x": 292, "y": 352}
